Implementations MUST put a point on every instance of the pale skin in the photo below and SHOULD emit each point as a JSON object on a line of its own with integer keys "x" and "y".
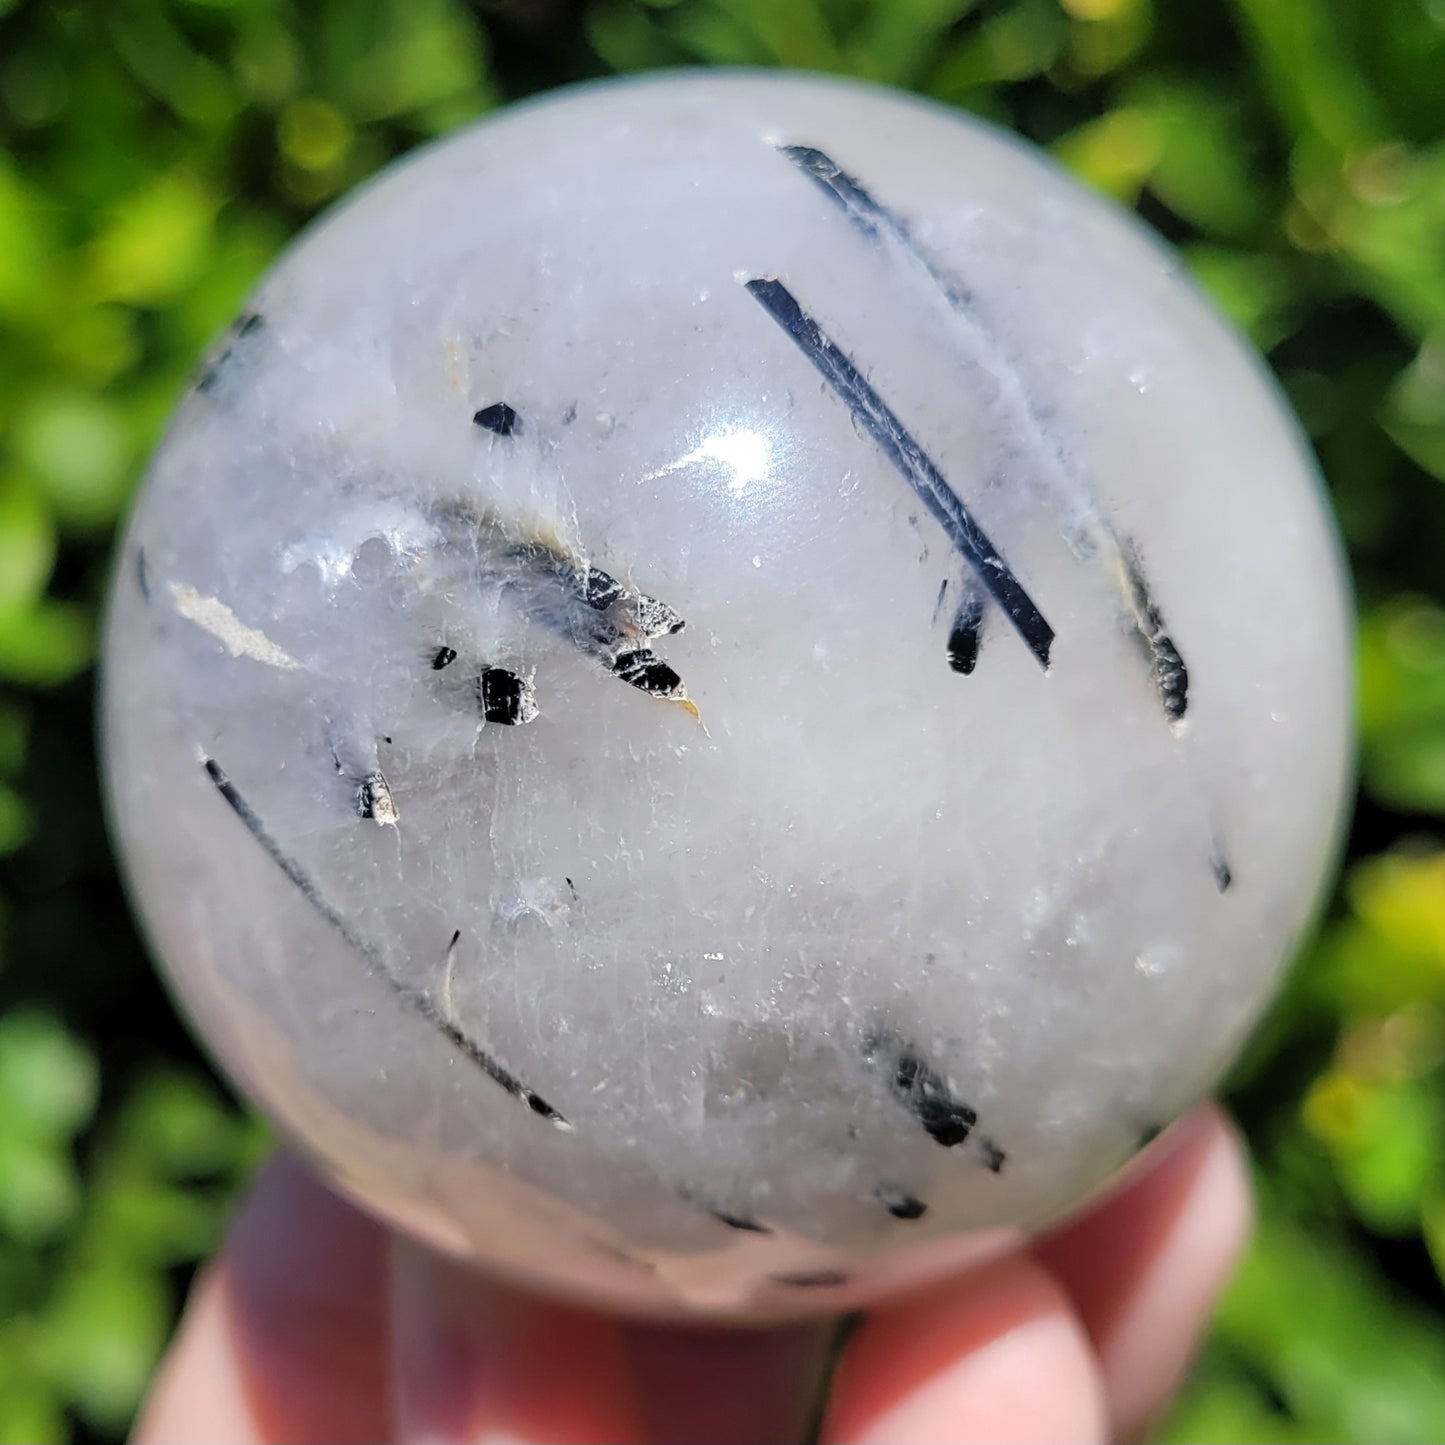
{"x": 317, "y": 1324}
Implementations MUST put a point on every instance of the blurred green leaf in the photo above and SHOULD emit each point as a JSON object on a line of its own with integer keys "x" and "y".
{"x": 1223, "y": 1404}
{"x": 1304, "y": 61}
{"x": 1117, "y": 153}
{"x": 159, "y": 56}
{"x": 894, "y": 43}
{"x": 48, "y": 1079}
{"x": 1387, "y": 1139}
{"x": 1204, "y": 171}
{"x": 794, "y": 34}
{"x": 154, "y": 242}
{"x": 1401, "y": 670}
{"x": 432, "y": 55}
{"x": 15, "y": 821}
{"x": 1259, "y": 293}
{"x": 14, "y": 731}
{"x": 29, "y": 1413}
{"x": 1351, "y": 1360}
{"x": 75, "y": 444}
{"x": 39, "y": 1190}
{"x": 26, "y": 241}
{"x": 158, "y": 153}
{"x": 27, "y": 546}
{"x": 104, "y": 1333}
{"x": 1415, "y": 411}
{"x": 181, "y": 1127}
{"x": 1389, "y": 953}
{"x": 1387, "y": 217}
{"x": 626, "y": 39}
{"x": 46, "y": 644}
{"x": 1013, "y": 44}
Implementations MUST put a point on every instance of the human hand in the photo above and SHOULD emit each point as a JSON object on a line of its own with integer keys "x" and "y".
{"x": 317, "y": 1324}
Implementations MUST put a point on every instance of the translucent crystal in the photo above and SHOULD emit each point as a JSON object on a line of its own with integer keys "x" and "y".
{"x": 726, "y": 692}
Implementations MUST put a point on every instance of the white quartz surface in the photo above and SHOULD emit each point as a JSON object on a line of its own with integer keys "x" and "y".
{"x": 826, "y": 961}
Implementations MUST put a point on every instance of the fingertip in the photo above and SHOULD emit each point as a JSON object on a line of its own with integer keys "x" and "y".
{"x": 1145, "y": 1268}
{"x": 197, "y": 1396}
{"x": 994, "y": 1356}
{"x": 283, "y": 1338}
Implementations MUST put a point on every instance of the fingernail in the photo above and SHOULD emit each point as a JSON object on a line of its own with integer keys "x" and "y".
{"x": 475, "y": 1362}
{"x": 431, "y": 1396}
{"x": 996, "y": 1355}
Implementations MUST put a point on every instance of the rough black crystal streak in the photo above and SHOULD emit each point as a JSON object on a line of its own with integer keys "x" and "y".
{"x": 373, "y": 796}
{"x": 245, "y": 325}
{"x": 876, "y": 221}
{"x": 869, "y": 215}
{"x": 600, "y": 589}
{"x": 909, "y": 459}
{"x": 924, "y": 1093}
{"x": 646, "y": 671}
{"x": 409, "y": 994}
{"x": 1170, "y": 676}
{"x": 964, "y": 635}
{"x": 445, "y": 656}
{"x": 503, "y": 696}
{"x": 498, "y": 418}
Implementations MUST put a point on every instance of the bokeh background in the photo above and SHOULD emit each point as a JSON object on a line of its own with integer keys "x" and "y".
{"x": 157, "y": 153}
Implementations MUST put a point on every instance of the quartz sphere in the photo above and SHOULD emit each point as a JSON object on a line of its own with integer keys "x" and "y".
{"x": 872, "y": 917}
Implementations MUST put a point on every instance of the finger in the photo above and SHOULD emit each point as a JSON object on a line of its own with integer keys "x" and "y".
{"x": 1145, "y": 1268}
{"x": 197, "y": 1393}
{"x": 284, "y": 1337}
{"x": 475, "y": 1360}
{"x": 995, "y": 1356}
{"x": 729, "y": 1387}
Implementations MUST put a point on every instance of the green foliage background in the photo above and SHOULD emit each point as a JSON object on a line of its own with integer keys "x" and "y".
{"x": 156, "y": 155}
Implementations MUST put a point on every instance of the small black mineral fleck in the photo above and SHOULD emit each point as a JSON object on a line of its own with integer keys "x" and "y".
{"x": 900, "y": 1204}
{"x": 445, "y": 656}
{"x": 990, "y": 1155}
{"x": 498, "y": 418}
{"x": 243, "y": 326}
{"x": 744, "y": 1222}
{"x": 1223, "y": 873}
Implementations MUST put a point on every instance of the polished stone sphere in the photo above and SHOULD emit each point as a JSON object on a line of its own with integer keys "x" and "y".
{"x": 726, "y": 692}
